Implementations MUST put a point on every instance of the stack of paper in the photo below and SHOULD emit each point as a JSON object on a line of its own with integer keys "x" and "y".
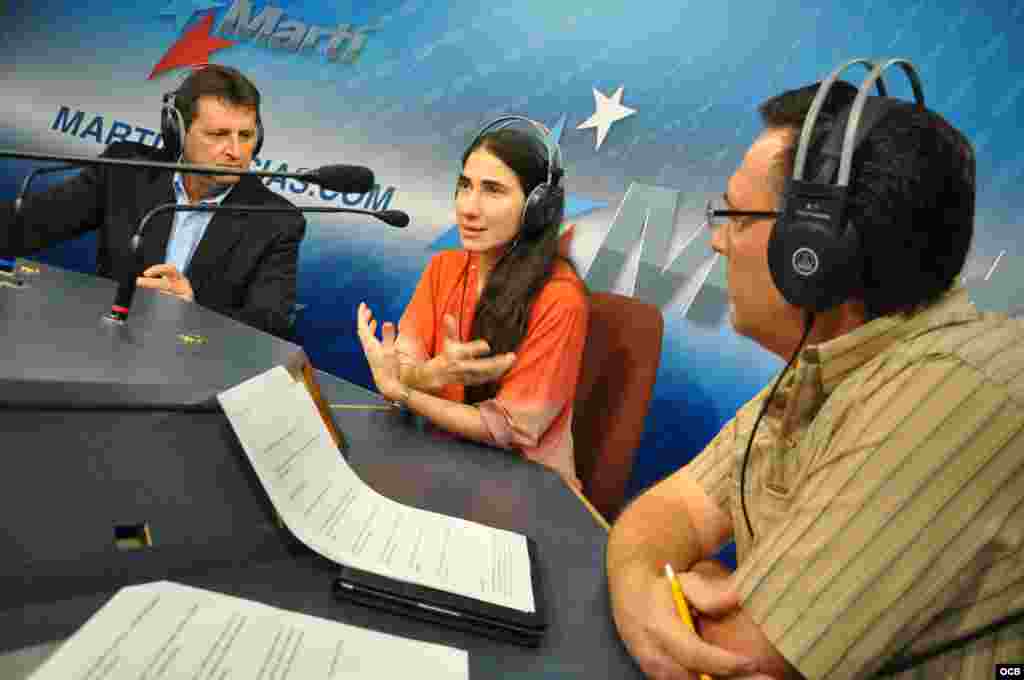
{"x": 329, "y": 508}
{"x": 166, "y": 630}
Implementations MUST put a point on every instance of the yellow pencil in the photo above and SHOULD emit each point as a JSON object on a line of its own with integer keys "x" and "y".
{"x": 681, "y": 607}
{"x": 363, "y": 407}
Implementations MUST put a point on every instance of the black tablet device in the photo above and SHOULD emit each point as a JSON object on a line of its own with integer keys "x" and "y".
{"x": 449, "y": 609}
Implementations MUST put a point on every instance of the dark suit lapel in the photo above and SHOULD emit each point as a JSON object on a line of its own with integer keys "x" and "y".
{"x": 156, "y": 192}
{"x": 221, "y": 235}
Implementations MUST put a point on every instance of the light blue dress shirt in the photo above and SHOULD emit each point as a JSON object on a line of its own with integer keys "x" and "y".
{"x": 189, "y": 225}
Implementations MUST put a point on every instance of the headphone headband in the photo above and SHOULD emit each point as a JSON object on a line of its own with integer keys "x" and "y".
{"x": 545, "y": 204}
{"x": 812, "y": 114}
{"x": 814, "y": 251}
{"x": 853, "y": 122}
{"x": 554, "y": 152}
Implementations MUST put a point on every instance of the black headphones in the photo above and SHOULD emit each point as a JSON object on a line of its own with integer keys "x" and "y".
{"x": 546, "y": 203}
{"x": 814, "y": 251}
{"x": 173, "y": 128}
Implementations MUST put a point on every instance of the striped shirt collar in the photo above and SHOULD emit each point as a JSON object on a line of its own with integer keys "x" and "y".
{"x": 836, "y": 358}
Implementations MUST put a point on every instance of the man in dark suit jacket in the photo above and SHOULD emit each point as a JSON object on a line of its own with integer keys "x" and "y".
{"x": 238, "y": 264}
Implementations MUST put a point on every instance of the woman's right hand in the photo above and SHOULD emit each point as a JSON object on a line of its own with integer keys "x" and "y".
{"x": 462, "y": 363}
{"x": 380, "y": 354}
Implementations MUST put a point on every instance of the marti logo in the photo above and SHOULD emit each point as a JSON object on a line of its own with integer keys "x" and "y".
{"x": 268, "y": 26}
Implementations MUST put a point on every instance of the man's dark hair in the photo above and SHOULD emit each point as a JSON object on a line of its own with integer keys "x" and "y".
{"x": 222, "y": 82}
{"x": 911, "y": 195}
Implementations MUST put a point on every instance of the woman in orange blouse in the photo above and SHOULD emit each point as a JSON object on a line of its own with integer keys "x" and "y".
{"x": 491, "y": 343}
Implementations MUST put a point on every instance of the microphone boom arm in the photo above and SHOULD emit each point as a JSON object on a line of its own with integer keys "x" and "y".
{"x": 126, "y": 287}
{"x": 28, "y": 182}
{"x": 384, "y": 215}
{"x": 333, "y": 177}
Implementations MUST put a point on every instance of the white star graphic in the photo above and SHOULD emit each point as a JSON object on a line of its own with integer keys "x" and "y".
{"x": 607, "y": 110}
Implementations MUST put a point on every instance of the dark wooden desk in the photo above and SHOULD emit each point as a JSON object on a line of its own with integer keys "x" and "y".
{"x": 71, "y": 472}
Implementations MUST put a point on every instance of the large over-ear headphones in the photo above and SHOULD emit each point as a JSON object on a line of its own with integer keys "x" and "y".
{"x": 546, "y": 203}
{"x": 814, "y": 251}
{"x": 173, "y": 128}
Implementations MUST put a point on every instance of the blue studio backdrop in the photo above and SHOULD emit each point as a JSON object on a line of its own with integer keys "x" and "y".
{"x": 653, "y": 105}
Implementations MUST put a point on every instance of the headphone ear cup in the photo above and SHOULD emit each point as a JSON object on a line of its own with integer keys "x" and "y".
{"x": 849, "y": 263}
{"x": 777, "y": 248}
{"x": 533, "y": 210}
{"x": 544, "y": 206}
{"x": 813, "y": 267}
{"x": 170, "y": 130}
{"x": 555, "y": 206}
{"x": 259, "y": 136}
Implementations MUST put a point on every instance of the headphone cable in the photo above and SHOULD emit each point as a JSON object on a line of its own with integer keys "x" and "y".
{"x": 808, "y": 323}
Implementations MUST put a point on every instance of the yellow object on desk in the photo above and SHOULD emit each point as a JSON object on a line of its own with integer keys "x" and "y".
{"x": 363, "y": 407}
{"x": 681, "y": 606}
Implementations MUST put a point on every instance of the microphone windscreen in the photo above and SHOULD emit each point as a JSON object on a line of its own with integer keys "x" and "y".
{"x": 396, "y": 218}
{"x": 347, "y": 179}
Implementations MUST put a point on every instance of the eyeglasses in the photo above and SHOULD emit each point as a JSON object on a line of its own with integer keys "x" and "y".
{"x": 716, "y": 217}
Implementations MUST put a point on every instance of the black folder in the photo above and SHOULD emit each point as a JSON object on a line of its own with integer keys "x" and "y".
{"x": 449, "y": 609}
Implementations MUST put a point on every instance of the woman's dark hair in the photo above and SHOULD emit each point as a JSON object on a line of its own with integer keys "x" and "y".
{"x": 912, "y": 191}
{"x": 503, "y": 310}
{"x": 222, "y": 82}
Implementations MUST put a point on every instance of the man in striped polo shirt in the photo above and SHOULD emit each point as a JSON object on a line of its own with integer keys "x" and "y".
{"x": 879, "y": 519}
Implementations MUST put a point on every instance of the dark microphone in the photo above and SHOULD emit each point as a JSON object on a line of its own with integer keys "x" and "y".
{"x": 347, "y": 179}
{"x": 127, "y": 286}
{"x": 19, "y": 199}
{"x": 396, "y": 218}
{"x": 7, "y": 264}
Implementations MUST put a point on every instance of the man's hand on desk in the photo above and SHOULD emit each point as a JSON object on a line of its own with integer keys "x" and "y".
{"x": 722, "y": 621}
{"x": 662, "y": 644}
{"x": 168, "y": 280}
